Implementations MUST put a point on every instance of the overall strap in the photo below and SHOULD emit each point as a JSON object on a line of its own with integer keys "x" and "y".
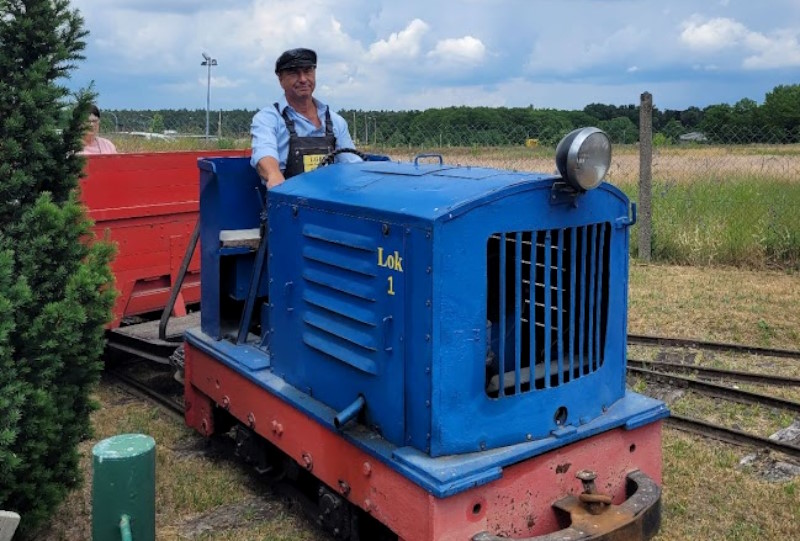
{"x": 289, "y": 122}
{"x": 328, "y": 122}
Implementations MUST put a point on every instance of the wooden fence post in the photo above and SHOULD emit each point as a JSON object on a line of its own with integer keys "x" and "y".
{"x": 645, "y": 176}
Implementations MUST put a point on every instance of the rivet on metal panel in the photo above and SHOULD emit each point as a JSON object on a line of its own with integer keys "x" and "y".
{"x": 251, "y": 420}
{"x": 226, "y": 402}
{"x": 427, "y": 403}
{"x": 277, "y": 428}
{"x": 385, "y": 229}
{"x": 368, "y": 505}
{"x": 428, "y": 235}
{"x": 428, "y": 270}
{"x": 294, "y": 210}
{"x": 483, "y": 446}
{"x": 344, "y": 488}
{"x": 428, "y": 303}
{"x": 366, "y": 469}
{"x": 427, "y": 337}
{"x": 308, "y": 461}
{"x": 528, "y": 437}
{"x": 427, "y": 369}
{"x": 216, "y": 383}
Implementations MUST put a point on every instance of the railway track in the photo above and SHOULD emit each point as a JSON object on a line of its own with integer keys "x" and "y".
{"x": 721, "y": 384}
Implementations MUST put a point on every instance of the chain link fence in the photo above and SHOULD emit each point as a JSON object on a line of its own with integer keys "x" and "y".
{"x": 716, "y": 194}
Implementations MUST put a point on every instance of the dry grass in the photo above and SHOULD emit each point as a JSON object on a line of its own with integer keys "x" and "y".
{"x": 707, "y": 494}
{"x": 716, "y": 303}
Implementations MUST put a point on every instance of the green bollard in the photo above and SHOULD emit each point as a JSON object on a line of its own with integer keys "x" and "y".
{"x": 124, "y": 488}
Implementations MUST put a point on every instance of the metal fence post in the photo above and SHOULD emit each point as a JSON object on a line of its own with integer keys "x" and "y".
{"x": 124, "y": 488}
{"x": 645, "y": 175}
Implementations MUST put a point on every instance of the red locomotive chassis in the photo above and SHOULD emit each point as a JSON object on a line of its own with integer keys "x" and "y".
{"x": 148, "y": 205}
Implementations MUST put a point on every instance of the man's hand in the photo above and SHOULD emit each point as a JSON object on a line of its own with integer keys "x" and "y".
{"x": 269, "y": 170}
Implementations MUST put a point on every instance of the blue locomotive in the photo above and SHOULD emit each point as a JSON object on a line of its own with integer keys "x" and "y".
{"x": 440, "y": 348}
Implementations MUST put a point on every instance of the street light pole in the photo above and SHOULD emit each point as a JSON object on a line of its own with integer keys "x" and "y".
{"x": 208, "y": 61}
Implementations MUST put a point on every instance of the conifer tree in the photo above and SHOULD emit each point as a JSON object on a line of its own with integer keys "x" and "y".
{"x": 55, "y": 288}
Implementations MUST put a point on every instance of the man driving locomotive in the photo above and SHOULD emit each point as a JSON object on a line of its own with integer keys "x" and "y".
{"x": 294, "y": 134}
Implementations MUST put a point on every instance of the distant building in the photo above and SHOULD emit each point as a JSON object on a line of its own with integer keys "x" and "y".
{"x": 693, "y": 137}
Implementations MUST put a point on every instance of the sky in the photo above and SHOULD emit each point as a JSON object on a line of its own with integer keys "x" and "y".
{"x": 421, "y": 54}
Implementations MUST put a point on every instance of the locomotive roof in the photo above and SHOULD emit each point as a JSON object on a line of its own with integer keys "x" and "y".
{"x": 424, "y": 191}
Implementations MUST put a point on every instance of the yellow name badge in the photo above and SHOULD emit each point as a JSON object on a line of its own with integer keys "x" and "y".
{"x": 312, "y": 161}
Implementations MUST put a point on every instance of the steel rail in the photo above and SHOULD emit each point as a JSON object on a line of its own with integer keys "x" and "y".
{"x": 646, "y": 340}
{"x": 706, "y": 372}
{"x": 140, "y": 388}
{"x": 730, "y": 435}
{"x": 719, "y": 391}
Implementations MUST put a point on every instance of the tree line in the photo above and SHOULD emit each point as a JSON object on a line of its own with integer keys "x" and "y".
{"x": 776, "y": 120}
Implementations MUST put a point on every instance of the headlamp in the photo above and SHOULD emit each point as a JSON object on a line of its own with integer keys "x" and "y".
{"x": 583, "y": 157}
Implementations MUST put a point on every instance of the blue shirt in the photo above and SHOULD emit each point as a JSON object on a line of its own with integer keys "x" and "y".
{"x": 271, "y": 138}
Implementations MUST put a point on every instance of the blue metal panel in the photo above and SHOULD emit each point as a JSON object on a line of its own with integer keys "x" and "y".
{"x": 419, "y": 331}
{"x": 337, "y": 310}
{"x": 229, "y": 199}
{"x": 465, "y": 417}
{"x": 413, "y": 194}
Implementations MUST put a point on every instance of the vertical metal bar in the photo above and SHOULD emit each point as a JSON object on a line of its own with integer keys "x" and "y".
{"x": 518, "y": 313}
{"x": 560, "y": 304}
{"x": 599, "y": 305}
{"x": 592, "y": 278}
{"x": 501, "y": 353}
{"x": 532, "y": 317}
{"x": 582, "y": 314}
{"x": 572, "y": 253}
{"x": 255, "y": 280}
{"x": 548, "y": 317}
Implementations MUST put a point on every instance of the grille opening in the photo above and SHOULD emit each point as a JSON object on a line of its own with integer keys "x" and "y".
{"x": 547, "y": 307}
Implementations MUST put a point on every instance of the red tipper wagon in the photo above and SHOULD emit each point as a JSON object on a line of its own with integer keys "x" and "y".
{"x": 148, "y": 204}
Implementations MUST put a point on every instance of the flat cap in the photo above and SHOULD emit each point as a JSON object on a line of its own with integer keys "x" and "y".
{"x": 296, "y": 58}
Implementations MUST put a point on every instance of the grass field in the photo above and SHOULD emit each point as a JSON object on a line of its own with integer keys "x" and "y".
{"x": 707, "y": 493}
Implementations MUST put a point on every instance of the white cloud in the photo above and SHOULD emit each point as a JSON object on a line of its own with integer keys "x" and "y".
{"x": 781, "y": 49}
{"x": 467, "y": 49}
{"x": 714, "y": 34}
{"x": 403, "y": 44}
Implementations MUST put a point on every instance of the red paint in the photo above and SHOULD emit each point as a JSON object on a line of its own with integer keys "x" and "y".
{"x": 517, "y": 505}
{"x": 148, "y": 205}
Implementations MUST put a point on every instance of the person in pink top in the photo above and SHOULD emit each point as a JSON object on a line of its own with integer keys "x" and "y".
{"x": 92, "y": 143}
